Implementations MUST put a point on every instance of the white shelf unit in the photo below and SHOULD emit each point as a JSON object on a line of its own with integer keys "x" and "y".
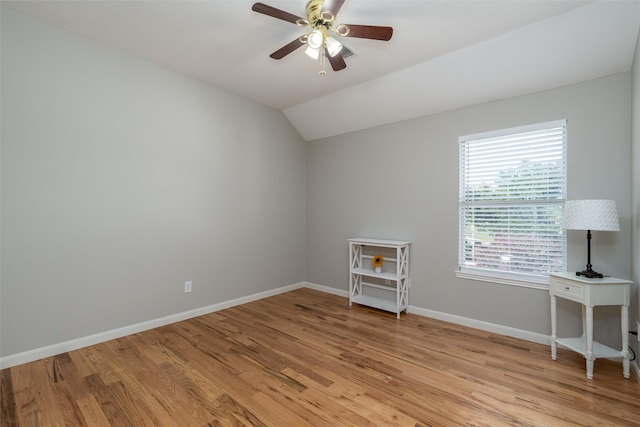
{"x": 387, "y": 290}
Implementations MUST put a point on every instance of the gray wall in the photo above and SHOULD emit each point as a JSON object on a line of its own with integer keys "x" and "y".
{"x": 400, "y": 181}
{"x": 121, "y": 180}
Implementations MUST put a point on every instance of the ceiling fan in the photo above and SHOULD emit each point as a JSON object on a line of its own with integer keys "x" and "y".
{"x": 320, "y": 42}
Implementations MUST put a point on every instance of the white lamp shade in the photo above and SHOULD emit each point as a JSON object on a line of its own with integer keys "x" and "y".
{"x": 333, "y": 46}
{"x": 315, "y": 39}
{"x": 599, "y": 215}
{"x": 313, "y": 53}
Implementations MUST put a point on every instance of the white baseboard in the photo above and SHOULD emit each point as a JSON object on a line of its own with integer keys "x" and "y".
{"x": 451, "y": 318}
{"x": 63, "y": 347}
{"x": 472, "y": 323}
{"x": 484, "y": 326}
{"x": 52, "y": 350}
{"x": 497, "y": 329}
{"x": 327, "y": 289}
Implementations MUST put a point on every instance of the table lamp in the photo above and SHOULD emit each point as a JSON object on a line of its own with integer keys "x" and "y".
{"x": 600, "y": 215}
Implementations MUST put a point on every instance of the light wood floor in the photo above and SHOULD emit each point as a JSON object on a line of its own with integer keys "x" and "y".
{"x": 305, "y": 358}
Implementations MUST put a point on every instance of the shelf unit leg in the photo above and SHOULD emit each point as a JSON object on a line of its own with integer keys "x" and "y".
{"x": 355, "y": 281}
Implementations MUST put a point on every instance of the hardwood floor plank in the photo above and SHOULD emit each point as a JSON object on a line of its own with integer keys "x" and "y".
{"x": 111, "y": 406}
{"x": 65, "y": 381}
{"x": 37, "y": 398}
{"x": 230, "y": 412}
{"x": 91, "y": 412}
{"x": 304, "y": 358}
{"x": 8, "y": 411}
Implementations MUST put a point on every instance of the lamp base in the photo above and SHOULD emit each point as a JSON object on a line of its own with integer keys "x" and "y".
{"x": 589, "y": 274}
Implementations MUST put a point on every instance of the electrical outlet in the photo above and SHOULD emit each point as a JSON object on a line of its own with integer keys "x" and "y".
{"x": 638, "y": 330}
{"x": 187, "y": 287}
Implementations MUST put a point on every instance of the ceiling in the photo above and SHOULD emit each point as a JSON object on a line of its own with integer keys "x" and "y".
{"x": 444, "y": 54}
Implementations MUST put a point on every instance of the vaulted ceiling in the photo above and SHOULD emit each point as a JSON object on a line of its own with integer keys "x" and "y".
{"x": 444, "y": 54}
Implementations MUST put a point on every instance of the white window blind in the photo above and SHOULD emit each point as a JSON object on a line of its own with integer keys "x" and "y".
{"x": 512, "y": 194}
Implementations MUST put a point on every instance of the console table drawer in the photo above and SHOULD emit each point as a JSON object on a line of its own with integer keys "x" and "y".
{"x": 568, "y": 289}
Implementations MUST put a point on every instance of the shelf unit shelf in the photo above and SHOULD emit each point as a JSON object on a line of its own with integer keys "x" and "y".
{"x": 387, "y": 290}
{"x": 370, "y": 273}
{"x": 375, "y": 302}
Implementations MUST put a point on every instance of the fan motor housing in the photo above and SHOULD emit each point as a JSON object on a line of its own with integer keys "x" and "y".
{"x": 314, "y": 12}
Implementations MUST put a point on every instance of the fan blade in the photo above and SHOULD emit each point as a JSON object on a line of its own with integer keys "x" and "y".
{"x": 334, "y": 6}
{"x": 337, "y": 62}
{"x": 275, "y": 13}
{"x": 287, "y": 49}
{"x": 370, "y": 32}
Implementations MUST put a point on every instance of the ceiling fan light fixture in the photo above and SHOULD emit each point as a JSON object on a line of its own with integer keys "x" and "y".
{"x": 319, "y": 21}
{"x": 315, "y": 39}
{"x": 312, "y": 52}
{"x": 333, "y": 46}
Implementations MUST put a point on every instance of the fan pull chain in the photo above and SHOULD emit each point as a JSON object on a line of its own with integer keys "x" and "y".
{"x": 322, "y": 71}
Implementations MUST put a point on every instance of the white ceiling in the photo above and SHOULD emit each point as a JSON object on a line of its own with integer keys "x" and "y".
{"x": 444, "y": 54}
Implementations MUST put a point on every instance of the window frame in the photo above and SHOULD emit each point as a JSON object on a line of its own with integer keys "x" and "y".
{"x": 538, "y": 281}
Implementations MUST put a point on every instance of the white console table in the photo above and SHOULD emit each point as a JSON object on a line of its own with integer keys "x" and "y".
{"x": 591, "y": 293}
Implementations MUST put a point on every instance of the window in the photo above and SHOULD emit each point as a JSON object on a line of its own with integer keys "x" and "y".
{"x": 512, "y": 194}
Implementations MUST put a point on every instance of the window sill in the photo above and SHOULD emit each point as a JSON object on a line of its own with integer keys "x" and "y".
{"x": 537, "y": 283}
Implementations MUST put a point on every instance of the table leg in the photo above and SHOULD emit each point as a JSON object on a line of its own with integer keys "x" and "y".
{"x": 589, "y": 355}
{"x": 553, "y": 328}
{"x": 624, "y": 322}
